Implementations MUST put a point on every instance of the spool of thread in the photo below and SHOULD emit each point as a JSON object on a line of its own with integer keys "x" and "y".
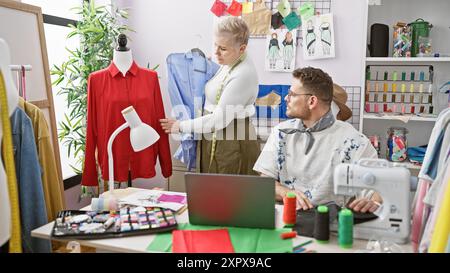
{"x": 287, "y": 235}
{"x": 413, "y": 75}
{"x": 403, "y": 76}
{"x": 394, "y": 76}
{"x": 322, "y": 225}
{"x": 422, "y": 76}
{"x": 345, "y": 228}
{"x": 289, "y": 212}
{"x": 104, "y": 204}
{"x": 413, "y": 109}
{"x": 385, "y": 75}
{"x": 377, "y": 108}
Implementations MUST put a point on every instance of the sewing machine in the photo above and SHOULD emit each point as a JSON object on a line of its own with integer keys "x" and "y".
{"x": 393, "y": 185}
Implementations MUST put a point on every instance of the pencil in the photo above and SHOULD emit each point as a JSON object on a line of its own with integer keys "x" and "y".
{"x": 303, "y": 244}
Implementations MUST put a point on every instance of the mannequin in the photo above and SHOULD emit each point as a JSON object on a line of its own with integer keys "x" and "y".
{"x": 13, "y": 97}
{"x": 122, "y": 57}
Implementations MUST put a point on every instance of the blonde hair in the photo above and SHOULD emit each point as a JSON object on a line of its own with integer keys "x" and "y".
{"x": 236, "y": 27}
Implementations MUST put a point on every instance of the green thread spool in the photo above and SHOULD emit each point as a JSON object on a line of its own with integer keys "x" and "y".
{"x": 403, "y": 76}
{"x": 345, "y": 228}
{"x": 385, "y": 75}
{"x": 394, "y": 76}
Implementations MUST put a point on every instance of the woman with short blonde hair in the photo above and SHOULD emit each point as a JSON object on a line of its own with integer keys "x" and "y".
{"x": 229, "y": 143}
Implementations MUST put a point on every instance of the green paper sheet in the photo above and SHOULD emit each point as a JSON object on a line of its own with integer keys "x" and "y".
{"x": 306, "y": 10}
{"x": 244, "y": 240}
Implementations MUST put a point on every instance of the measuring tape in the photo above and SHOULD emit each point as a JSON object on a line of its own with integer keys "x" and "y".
{"x": 15, "y": 242}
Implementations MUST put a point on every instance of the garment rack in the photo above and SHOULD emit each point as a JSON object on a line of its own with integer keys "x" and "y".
{"x": 15, "y": 67}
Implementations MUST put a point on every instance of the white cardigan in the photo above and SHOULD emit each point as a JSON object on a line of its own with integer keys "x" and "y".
{"x": 240, "y": 89}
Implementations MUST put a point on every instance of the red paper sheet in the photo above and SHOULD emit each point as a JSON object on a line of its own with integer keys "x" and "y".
{"x": 201, "y": 241}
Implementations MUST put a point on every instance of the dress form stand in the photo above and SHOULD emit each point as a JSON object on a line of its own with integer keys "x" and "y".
{"x": 123, "y": 59}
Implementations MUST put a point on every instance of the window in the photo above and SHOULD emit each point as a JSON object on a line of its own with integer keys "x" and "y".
{"x": 57, "y": 15}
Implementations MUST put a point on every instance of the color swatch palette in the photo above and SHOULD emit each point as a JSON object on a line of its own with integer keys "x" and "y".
{"x": 130, "y": 220}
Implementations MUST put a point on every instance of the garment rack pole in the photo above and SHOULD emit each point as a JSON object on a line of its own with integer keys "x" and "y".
{"x": 15, "y": 67}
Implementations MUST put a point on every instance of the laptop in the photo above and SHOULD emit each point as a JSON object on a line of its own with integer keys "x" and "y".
{"x": 231, "y": 200}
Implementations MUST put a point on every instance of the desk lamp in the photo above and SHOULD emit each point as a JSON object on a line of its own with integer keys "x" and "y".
{"x": 141, "y": 137}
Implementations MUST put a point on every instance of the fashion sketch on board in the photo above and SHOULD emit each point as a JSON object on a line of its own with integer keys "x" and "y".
{"x": 274, "y": 51}
{"x": 281, "y": 50}
{"x": 318, "y": 41}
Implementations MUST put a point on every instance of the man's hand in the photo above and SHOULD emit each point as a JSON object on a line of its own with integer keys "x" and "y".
{"x": 363, "y": 205}
{"x": 302, "y": 201}
{"x": 170, "y": 125}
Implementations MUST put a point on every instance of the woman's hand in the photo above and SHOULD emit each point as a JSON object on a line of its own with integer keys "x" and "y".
{"x": 170, "y": 125}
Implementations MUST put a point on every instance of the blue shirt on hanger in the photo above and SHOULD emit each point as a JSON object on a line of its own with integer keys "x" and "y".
{"x": 188, "y": 74}
{"x": 33, "y": 212}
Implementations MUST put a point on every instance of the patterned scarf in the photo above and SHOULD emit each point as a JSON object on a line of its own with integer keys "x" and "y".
{"x": 323, "y": 123}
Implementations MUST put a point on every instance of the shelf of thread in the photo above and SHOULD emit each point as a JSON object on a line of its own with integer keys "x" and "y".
{"x": 399, "y": 89}
{"x": 408, "y": 59}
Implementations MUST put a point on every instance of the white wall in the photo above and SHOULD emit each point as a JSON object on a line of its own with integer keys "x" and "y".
{"x": 165, "y": 27}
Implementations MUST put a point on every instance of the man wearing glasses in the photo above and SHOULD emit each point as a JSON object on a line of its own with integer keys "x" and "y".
{"x": 301, "y": 153}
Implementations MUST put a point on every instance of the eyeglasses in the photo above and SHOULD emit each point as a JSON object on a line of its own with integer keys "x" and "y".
{"x": 293, "y": 94}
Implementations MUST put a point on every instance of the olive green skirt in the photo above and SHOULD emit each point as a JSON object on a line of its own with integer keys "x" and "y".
{"x": 236, "y": 150}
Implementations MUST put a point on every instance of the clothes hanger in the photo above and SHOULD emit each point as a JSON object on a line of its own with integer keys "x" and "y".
{"x": 197, "y": 49}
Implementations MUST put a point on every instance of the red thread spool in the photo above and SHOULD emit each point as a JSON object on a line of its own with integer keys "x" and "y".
{"x": 287, "y": 235}
{"x": 289, "y": 212}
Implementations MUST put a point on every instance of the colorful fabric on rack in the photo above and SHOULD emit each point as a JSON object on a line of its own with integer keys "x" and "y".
{"x": 277, "y": 20}
{"x": 258, "y": 21}
{"x": 247, "y": 7}
{"x": 109, "y": 92}
{"x": 218, "y": 8}
{"x": 306, "y": 10}
{"x": 51, "y": 182}
{"x": 235, "y": 8}
{"x": 292, "y": 21}
{"x": 33, "y": 213}
{"x": 15, "y": 240}
{"x": 188, "y": 74}
{"x": 284, "y": 8}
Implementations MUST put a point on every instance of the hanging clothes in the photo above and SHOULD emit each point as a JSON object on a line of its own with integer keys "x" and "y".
{"x": 28, "y": 171}
{"x": 440, "y": 235}
{"x": 10, "y": 224}
{"x": 430, "y": 183}
{"x": 52, "y": 186}
{"x": 188, "y": 74}
{"x": 109, "y": 92}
